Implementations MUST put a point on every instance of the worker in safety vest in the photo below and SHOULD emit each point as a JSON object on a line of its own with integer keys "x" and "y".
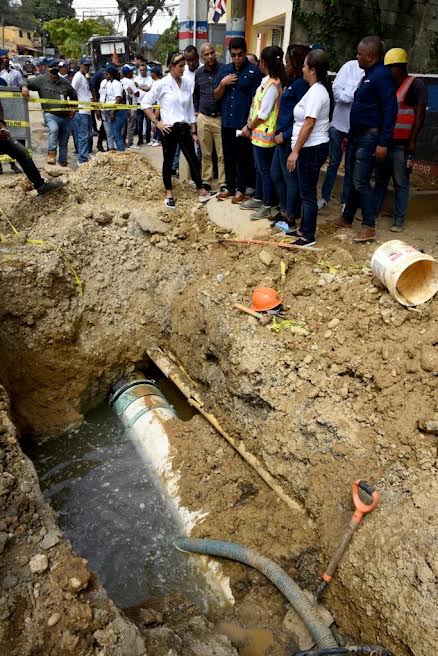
{"x": 411, "y": 99}
{"x": 260, "y": 128}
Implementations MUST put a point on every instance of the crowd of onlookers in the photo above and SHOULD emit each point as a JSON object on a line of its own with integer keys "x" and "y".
{"x": 263, "y": 129}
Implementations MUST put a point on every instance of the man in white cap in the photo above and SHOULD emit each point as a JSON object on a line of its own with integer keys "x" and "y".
{"x": 63, "y": 69}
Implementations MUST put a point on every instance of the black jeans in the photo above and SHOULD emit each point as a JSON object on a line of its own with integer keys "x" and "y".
{"x": 180, "y": 135}
{"x": 238, "y": 161}
{"x": 309, "y": 165}
{"x": 18, "y": 152}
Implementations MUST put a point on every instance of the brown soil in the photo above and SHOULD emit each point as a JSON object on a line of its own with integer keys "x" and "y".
{"x": 344, "y": 402}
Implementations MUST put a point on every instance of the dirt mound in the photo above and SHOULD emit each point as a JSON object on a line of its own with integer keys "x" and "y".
{"x": 119, "y": 272}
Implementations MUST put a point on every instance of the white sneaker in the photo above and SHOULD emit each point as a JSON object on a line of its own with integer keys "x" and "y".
{"x": 134, "y": 147}
{"x": 156, "y": 144}
{"x": 343, "y": 206}
{"x": 322, "y": 203}
{"x": 150, "y": 143}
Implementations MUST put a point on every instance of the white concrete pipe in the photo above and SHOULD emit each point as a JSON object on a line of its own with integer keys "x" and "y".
{"x": 144, "y": 412}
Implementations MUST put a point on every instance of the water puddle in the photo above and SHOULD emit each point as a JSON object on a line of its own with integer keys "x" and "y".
{"x": 248, "y": 642}
{"x": 113, "y": 512}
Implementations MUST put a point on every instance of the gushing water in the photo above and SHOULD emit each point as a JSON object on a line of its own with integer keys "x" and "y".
{"x": 113, "y": 512}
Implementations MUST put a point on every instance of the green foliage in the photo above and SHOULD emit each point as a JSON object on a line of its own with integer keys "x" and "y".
{"x": 70, "y": 34}
{"x": 138, "y": 14}
{"x": 167, "y": 42}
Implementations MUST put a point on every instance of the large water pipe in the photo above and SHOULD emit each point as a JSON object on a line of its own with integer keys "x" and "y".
{"x": 144, "y": 412}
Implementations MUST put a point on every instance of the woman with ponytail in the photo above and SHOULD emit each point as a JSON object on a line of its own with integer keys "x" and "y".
{"x": 261, "y": 127}
{"x": 285, "y": 182}
{"x": 310, "y": 140}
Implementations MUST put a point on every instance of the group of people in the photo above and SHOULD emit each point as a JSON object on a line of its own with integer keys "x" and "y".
{"x": 267, "y": 126}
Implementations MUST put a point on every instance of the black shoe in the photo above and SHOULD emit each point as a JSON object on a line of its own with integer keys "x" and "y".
{"x": 206, "y": 186}
{"x": 304, "y": 243}
{"x": 1, "y": 169}
{"x": 294, "y": 233}
{"x": 170, "y": 202}
{"x": 140, "y": 142}
{"x": 48, "y": 187}
{"x": 100, "y": 148}
{"x": 14, "y": 168}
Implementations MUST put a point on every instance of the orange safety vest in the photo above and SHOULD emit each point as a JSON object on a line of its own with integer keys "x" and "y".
{"x": 405, "y": 120}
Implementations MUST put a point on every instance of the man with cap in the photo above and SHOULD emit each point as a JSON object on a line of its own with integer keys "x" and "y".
{"x": 63, "y": 69}
{"x": 132, "y": 94}
{"x": 411, "y": 99}
{"x": 9, "y": 146}
{"x": 57, "y": 119}
{"x": 111, "y": 91}
{"x": 82, "y": 120}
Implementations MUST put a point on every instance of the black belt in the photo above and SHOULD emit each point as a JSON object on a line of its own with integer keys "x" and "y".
{"x": 211, "y": 115}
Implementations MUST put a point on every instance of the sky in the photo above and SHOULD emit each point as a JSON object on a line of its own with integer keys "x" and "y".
{"x": 94, "y": 8}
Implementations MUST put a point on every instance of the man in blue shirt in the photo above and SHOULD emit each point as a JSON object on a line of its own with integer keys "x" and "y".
{"x": 372, "y": 120}
{"x": 237, "y": 84}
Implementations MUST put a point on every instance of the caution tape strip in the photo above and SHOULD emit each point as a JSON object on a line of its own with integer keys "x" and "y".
{"x": 17, "y": 124}
{"x": 71, "y": 104}
{"x": 40, "y": 242}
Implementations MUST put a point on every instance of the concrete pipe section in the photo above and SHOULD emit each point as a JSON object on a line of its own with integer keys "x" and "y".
{"x": 144, "y": 412}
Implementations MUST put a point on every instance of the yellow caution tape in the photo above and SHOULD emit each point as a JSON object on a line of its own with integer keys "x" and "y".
{"x": 73, "y": 105}
{"x": 40, "y": 242}
{"x": 17, "y": 124}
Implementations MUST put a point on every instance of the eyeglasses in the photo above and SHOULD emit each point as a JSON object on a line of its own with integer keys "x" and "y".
{"x": 237, "y": 55}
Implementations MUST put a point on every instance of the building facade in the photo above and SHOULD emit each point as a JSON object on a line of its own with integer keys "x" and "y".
{"x": 19, "y": 40}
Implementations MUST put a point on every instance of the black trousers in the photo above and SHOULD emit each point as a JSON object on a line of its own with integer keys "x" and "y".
{"x": 180, "y": 135}
{"x": 21, "y": 155}
{"x": 238, "y": 160}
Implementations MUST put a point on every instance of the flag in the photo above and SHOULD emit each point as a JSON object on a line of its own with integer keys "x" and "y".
{"x": 220, "y": 7}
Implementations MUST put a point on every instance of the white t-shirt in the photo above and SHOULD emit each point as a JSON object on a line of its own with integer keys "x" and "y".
{"x": 110, "y": 90}
{"x": 314, "y": 104}
{"x": 81, "y": 86}
{"x": 131, "y": 99}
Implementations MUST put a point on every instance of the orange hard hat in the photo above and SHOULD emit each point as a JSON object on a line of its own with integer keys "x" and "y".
{"x": 265, "y": 298}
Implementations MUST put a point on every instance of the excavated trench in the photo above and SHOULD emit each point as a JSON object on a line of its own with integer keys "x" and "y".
{"x": 354, "y": 398}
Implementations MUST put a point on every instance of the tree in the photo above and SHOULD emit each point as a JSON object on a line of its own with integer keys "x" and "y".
{"x": 167, "y": 42}
{"x": 46, "y": 10}
{"x": 137, "y": 14}
{"x": 70, "y": 34}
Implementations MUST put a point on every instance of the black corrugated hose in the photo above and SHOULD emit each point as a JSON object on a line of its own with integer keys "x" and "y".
{"x": 367, "y": 650}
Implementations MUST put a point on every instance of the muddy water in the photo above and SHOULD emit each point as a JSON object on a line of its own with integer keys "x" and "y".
{"x": 111, "y": 509}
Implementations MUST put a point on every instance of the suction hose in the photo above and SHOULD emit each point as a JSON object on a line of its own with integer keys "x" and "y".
{"x": 320, "y": 633}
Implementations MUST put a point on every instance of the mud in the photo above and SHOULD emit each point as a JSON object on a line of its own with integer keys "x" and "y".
{"x": 347, "y": 401}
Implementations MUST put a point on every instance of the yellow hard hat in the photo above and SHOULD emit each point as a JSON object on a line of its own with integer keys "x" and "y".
{"x": 396, "y": 56}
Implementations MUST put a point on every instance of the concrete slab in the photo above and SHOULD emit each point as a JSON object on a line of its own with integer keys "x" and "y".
{"x": 224, "y": 214}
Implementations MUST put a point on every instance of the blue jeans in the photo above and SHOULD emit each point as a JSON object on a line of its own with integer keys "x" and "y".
{"x": 83, "y": 128}
{"x": 394, "y": 166}
{"x": 361, "y": 162}
{"x": 335, "y": 158}
{"x": 117, "y": 125}
{"x": 309, "y": 165}
{"x": 59, "y": 132}
{"x": 263, "y": 160}
{"x": 285, "y": 182}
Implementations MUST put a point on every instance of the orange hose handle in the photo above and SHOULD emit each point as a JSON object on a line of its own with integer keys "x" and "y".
{"x": 362, "y": 508}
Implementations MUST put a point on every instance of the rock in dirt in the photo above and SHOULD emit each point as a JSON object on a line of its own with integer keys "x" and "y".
{"x": 298, "y": 630}
{"x": 429, "y": 358}
{"x": 149, "y": 223}
{"x": 103, "y": 218}
{"x": 49, "y": 540}
{"x": 9, "y": 582}
{"x": 38, "y": 564}
{"x": 53, "y": 619}
{"x": 266, "y": 257}
{"x": 428, "y": 426}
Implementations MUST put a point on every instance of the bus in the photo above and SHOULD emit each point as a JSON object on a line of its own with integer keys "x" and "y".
{"x": 102, "y": 49}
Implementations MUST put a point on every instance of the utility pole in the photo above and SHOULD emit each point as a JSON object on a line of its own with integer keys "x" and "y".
{"x": 236, "y": 19}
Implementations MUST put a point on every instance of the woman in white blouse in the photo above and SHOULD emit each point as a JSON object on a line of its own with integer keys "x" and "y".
{"x": 310, "y": 140}
{"x": 178, "y": 124}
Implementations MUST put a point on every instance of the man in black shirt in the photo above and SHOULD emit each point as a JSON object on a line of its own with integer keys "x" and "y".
{"x": 412, "y": 99}
{"x": 209, "y": 118}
